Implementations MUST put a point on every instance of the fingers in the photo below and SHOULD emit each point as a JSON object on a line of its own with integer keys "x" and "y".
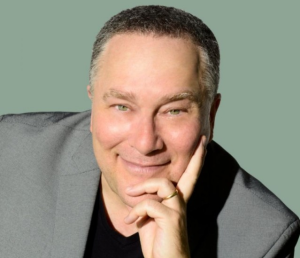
{"x": 162, "y": 187}
{"x": 162, "y": 230}
{"x": 159, "y": 211}
{"x": 190, "y": 176}
{"x": 150, "y": 208}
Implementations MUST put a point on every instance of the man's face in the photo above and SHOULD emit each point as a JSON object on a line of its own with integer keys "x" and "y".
{"x": 145, "y": 112}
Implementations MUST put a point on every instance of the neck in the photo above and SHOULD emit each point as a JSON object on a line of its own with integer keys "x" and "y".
{"x": 116, "y": 210}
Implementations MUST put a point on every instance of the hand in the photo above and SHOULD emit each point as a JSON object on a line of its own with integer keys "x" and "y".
{"x": 162, "y": 225}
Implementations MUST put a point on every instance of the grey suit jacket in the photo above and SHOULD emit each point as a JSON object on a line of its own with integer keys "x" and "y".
{"x": 49, "y": 179}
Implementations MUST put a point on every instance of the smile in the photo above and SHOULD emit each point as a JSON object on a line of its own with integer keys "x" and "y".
{"x": 143, "y": 169}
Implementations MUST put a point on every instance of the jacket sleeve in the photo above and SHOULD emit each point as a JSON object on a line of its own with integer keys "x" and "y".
{"x": 285, "y": 245}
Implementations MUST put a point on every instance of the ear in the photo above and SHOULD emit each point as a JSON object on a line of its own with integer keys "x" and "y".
{"x": 89, "y": 92}
{"x": 213, "y": 111}
{"x": 90, "y": 96}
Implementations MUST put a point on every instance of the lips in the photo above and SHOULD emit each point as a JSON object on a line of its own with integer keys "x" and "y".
{"x": 143, "y": 168}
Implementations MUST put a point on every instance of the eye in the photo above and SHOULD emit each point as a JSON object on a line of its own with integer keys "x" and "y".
{"x": 122, "y": 108}
{"x": 174, "y": 112}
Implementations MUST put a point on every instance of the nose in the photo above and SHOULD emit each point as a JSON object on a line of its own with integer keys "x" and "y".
{"x": 145, "y": 136}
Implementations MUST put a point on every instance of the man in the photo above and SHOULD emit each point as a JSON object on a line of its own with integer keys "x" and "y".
{"x": 153, "y": 85}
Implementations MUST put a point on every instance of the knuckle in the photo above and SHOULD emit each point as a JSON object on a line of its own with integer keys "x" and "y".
{"x": 166, "y": 183}
{"x": 150, "y": 204}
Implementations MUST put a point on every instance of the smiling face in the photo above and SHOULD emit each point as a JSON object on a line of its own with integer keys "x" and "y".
{"x": 145, "y": 111}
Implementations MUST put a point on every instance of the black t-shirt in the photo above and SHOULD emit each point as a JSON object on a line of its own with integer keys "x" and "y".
{"x": 104, "y": 241}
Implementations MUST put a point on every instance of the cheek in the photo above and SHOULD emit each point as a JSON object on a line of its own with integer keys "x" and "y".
{"x": 185, "y": 138}
{"x": 107, "y": 131}
{"x": 182, "y": 143}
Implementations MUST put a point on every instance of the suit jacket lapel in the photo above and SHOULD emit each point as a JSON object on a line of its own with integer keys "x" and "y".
{"x": 75, "y": 201}
{"x": 208, "y": 199}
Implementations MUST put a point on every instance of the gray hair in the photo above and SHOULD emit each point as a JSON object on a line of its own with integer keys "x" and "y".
{"x": 163, "y": 21}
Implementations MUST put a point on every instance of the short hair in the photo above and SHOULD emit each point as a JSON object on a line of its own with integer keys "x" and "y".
{"x": 163, "y": 21}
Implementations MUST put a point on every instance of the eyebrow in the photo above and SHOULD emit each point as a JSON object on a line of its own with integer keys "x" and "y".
{"x": 182, "y": 96}
{"x": 129, "y": 96}
{"x": 119, "y": 94}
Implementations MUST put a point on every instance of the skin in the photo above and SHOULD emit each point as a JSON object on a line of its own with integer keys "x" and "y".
{"x": 149, "y": 136}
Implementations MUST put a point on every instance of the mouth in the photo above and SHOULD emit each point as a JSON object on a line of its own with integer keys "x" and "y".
{"x": 144, "y": 169}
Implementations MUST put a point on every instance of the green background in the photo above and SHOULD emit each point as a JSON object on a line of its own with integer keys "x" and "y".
{"x": 44, "y": 61}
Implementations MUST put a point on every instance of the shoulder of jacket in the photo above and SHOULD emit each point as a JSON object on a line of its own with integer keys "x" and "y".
{"x": 245, "y": 188}
{"x": 263, "y": 197}
{"x": 78, "y": 120}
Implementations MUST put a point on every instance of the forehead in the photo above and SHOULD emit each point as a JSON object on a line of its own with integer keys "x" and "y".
{"x": 126, "y": 47}
{"x": 148, "y": 61}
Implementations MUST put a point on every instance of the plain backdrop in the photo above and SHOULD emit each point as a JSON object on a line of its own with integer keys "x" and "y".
{"x": 45, "y": 51}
